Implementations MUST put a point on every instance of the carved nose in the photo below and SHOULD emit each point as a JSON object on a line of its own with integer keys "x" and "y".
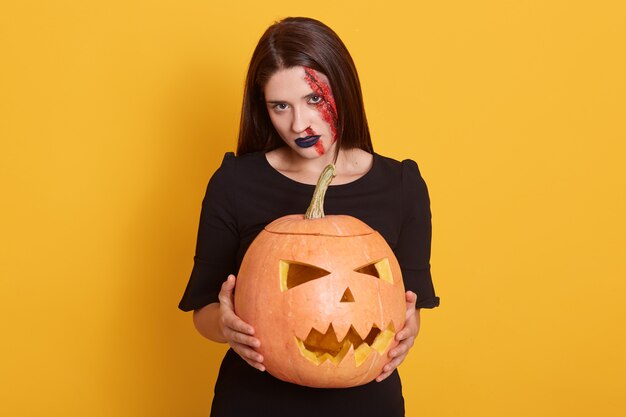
{"x": 347, "y": 296}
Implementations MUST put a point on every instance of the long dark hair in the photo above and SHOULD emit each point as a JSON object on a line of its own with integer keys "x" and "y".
{"x": 301, "y": 41}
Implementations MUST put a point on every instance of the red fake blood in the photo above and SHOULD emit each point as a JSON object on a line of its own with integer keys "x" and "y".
{"x": 327, "y": 108}
{"x": 319, "y": 147}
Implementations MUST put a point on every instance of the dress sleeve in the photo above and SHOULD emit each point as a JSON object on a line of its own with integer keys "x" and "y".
{"x": 413, "y": 248}
{"x": 218, "y": 240}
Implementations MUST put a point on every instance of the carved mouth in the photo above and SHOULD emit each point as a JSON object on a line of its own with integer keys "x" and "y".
{"x": 320, "y": 347}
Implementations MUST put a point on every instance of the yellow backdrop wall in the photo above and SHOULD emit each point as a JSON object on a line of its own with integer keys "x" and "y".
{"x": 113, "y": 116}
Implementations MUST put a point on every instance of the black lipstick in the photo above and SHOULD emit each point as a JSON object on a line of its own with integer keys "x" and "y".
{"x": 307, "y": 141}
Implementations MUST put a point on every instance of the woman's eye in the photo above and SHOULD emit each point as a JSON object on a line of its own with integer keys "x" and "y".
{"x": 315, "y": 99}
{"x": 281, "y": 106}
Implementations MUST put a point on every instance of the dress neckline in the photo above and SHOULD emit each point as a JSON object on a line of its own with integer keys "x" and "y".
{"x": 357, "y": 181}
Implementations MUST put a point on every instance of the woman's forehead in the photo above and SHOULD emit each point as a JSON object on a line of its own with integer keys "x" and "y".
{"x": 291, "y": 82}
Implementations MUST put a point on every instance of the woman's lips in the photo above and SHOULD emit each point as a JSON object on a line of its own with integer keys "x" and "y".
{"x": 307, "y": 141}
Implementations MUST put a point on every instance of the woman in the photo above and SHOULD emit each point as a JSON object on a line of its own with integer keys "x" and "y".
{"x": 303, "y": 109}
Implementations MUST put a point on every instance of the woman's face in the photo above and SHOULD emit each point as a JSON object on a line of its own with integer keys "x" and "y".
{"x": 303, "y": 111}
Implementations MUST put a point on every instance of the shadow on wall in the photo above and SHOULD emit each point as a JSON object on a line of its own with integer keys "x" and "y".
{"x": 173, "y": 368}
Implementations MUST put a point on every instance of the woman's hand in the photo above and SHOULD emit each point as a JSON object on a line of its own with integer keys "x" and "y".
{"x": 405, "y": 337}
{"x": 238, "y": 334}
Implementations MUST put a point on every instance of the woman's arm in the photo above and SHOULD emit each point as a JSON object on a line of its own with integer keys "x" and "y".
{"x": 405, "y": 337}
{"x": 218, "y": 322}
{"x": 206, "y": 320}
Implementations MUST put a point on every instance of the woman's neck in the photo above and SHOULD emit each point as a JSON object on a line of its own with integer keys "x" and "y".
{"x": 351, "y": 164}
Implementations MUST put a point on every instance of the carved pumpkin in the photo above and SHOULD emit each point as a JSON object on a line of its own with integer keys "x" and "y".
{"x": 325, "y": 296}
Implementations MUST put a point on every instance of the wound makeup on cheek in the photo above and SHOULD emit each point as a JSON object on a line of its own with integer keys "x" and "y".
{"x": 319, "y": 148}
{"x": 328, "y": 108}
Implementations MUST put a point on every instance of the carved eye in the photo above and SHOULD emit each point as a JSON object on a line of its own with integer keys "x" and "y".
{"x": 293, "y": 274}
{"x": 379, "y": 269}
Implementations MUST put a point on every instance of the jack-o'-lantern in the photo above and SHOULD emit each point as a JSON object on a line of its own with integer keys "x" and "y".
{"x": 324, "y": 295}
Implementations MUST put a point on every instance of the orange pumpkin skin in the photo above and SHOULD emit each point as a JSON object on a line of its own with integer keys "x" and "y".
{"x": 282, "y": 317}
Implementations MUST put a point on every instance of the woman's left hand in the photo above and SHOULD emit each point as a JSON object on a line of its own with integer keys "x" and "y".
{"x": 405, "y": 337}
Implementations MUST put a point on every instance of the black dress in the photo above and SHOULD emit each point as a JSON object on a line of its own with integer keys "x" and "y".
{"x": 243, "y": 196}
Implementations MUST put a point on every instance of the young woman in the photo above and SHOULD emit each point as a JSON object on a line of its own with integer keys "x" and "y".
{"x": 302, "y": 110}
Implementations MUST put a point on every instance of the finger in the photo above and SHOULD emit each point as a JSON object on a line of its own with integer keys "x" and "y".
{"x": 252, "y": 357}
{"x": 390, "y": 367}
{"x": 247, "y": 353}
{"x": 402, "y": 334}
{"x": 393, "y": 364}
{"x": 226, "y": 292}
{"x": 256, "y": 365}
{"x": 228, "y": 286}
{"x": 410, "y": 328}
{"x": 399, "y": 350}
{"x": 242, "y": 339}
{"x": 259, "y": 367}
{"x": 383, "y": 376}
{"x": 411, "y": 300}
{"x": 234, "y": 323}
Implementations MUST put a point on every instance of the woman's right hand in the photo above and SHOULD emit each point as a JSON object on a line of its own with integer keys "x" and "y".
{"x": 238, "y": 334}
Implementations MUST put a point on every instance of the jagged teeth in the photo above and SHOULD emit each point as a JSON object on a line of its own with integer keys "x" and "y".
{"x": 320, "y": 347}
{"x": 341, "y": 329}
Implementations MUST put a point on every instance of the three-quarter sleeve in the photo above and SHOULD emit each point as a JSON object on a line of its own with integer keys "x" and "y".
{"x": 413, "y": 246}
{"x": 218, "y": 240}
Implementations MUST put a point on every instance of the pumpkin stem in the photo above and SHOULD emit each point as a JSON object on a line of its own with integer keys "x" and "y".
{"x": 316, "y": 208}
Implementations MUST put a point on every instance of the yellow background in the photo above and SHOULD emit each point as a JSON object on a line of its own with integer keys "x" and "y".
{"x": 113, "y": 116}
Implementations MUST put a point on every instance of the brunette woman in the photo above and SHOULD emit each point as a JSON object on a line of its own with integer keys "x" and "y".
{"x": 303, "y": 109}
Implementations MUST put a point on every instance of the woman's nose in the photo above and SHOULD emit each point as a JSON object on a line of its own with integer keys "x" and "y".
{"x": 299, "y": 122}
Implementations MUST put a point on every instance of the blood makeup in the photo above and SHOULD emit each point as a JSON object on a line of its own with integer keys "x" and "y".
{"x": 311, "y": 139}
{"x": 300, "y": 102}
{"x": 327, "y": 107}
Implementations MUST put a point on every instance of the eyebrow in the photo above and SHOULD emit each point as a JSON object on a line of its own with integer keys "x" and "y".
{"x": 312, "y": 94}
